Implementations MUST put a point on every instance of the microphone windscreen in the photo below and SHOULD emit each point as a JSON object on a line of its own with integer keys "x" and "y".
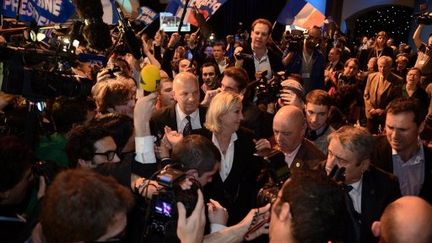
{"x": 149, "y": 78}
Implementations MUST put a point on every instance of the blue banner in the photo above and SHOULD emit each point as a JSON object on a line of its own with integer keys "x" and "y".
{"x": 206, "y": 7}
{"x": 146, "y": 15}
{"x": 42, "y": 11}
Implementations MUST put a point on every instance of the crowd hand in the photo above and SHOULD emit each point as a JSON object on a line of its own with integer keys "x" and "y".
{"x": 174, "y": 39}
{"x": 146, "y": 47}
{"x": 191, "y": 230}
{"x": 256, "y": 222}
{"x": 187, "y": 183}
{"x": 262, "y": 144}
{"x": 102, "y": 75}
{"x": 162, "y": 151}
{"x": 238, "y": 62}
{"x": 171, "y": 137}
{"x": 146, "y": 188}
{"x": 143, "y": 110}
{"x": 287, "y": 98}
{"x": 216, "y": 213}
{"x": 209, "y": 96}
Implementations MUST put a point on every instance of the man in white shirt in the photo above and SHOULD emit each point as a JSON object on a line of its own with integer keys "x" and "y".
{"x": 185, "y": 113}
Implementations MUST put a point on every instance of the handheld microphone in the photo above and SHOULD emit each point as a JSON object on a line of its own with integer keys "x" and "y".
{"x": 149, "y": 78}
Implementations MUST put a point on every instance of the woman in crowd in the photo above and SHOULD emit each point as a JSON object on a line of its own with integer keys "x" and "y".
{"x": 235, "y": 185}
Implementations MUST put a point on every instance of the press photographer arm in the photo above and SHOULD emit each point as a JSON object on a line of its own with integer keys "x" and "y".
{"x": 253, "y": 225}
{"x": 191, "y": 229}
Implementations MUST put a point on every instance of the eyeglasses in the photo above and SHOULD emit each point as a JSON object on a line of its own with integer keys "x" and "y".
{"x": 109, "y": 154}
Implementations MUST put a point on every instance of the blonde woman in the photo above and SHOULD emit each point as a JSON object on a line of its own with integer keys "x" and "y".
{"x": 235, "y": 185}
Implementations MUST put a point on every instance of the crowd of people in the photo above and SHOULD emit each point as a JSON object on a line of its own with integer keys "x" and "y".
{"x": 201, "y": 118}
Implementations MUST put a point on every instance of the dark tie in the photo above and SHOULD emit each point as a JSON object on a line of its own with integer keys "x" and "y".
{"x": 188, "y": 128}
{"x": 354, "y": 215}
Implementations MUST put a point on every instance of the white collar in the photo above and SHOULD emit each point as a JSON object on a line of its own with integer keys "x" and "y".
{"x": 194, "y": 115}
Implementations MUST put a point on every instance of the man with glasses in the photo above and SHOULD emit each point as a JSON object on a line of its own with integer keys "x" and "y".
{"x": 368, "y": 190}
{"x": 90, "y": 147}
{"x": 308, "y": 62}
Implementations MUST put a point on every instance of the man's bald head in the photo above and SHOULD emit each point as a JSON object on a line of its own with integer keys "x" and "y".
{"x": 291, "y": 114}
{"x": 289, "y": 127}
{"x": 186, "y": 92}
{"x": 408, "y": 219}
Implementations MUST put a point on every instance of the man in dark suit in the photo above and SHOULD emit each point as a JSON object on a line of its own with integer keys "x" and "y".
{"x": 381, "y": 88}
{"x": 401, "y": 152}
{"x": 185, "y": 115}
{"x": 368, "y": 189}
{"x": 289, "y": 128}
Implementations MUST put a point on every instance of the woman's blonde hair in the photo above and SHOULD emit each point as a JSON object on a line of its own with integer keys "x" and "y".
{"x": 220, "y": 105}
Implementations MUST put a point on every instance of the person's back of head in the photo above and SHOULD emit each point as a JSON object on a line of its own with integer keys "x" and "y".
{"x": 197, "y": 153}
{"x": 407, "y": 219}
{"x": 316, "y": 205}
{"x": 81, "y": 205}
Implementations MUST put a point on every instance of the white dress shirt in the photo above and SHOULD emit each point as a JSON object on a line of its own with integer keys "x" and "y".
{"x": 182, "y": 121}
{"x": 356, "y": 195}
{"x": 227, "y": 158}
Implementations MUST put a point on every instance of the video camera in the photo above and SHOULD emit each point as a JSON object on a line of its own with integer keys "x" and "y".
{"x": 39, "y": 74}
{"x": 295, "y": 41}
{"x": 162, "y": 209}
{"x": 277, "y": 172}
{"x": 268, "y": 91}
{"x": 424, "y": 18}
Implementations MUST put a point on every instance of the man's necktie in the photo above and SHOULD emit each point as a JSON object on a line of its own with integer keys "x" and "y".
{"x": 354, "y": 215}
{"x": 188, "y": 127}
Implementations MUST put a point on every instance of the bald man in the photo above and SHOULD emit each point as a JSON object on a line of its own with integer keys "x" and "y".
{"x": 408, "y": 219}
{"x": 185, "y": 111}
{"x": 289, "y": 128}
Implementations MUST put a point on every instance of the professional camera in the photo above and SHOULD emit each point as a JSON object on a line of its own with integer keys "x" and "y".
{"x": 295, "y": 41}
{"x": 268, "y": 91}
{"x": 39, "y": 74}
{"x": 425, "y": 18}
{"x": 277, "y": 172}
{"x": 242, "y": 56}
{"x": 162, "y": 211}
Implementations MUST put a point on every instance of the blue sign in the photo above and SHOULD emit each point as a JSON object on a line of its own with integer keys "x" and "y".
{"x": 42, "y": 11}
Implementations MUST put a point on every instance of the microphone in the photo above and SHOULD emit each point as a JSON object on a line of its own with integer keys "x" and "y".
{"x": 149, "y": 78}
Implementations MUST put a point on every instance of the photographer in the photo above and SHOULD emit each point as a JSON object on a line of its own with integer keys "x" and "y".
{"x": 308, "y": 62}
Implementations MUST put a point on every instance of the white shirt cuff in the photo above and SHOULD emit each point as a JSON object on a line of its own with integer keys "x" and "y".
{"x": 216, "y": 227}
{"x": 144, "y": 150}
